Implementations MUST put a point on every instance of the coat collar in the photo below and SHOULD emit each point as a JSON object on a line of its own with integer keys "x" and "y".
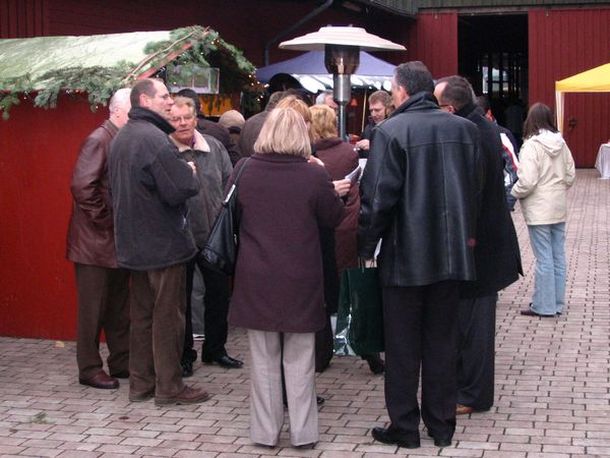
{"x": 418, "y": 101}
{"x": 110, "y": 127}
{"x": 469, "y": 109}
{"x": 325, "y": 143}
{"x": 277, "y": 157}
{"x": 200, "y": 144}
{"x": 144, "y": 114}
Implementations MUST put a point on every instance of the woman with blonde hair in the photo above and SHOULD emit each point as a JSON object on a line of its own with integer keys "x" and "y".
{"x": 278, "y": 295}
{"x": 340, "y": 159}
{"x": 545, "y": 173}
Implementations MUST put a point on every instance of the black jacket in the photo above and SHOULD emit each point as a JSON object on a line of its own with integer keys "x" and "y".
{"x": 150, "y": 184}
{"x": 419, "y": 193}
{"x": 497, "y": 256}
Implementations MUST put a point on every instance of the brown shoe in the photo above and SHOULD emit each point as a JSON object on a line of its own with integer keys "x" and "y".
{"x": 187, "y": 396}
{"x": 141, "y": 397}
{"x": 100, "y": 380}
{"x": 461, "y": 409}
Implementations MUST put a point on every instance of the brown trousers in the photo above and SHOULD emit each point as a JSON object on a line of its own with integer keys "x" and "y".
{"x": 158, "y": 303}
{"x": 102, "y": 304}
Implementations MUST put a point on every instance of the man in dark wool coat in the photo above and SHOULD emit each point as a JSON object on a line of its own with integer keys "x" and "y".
{"x": 150, "y": 184}
{"x": 497, "y": 257}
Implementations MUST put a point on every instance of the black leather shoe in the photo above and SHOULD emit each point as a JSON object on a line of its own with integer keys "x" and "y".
{"x": 189, "y": 354}
{"x": 376, "y": 364}
{"x": 187, "y": 368}
{"x": 530, "y": 312}
{"x": 387, "y": 436}
{"x": 440, "y": 441}
{"x": 224, "y": 361}
{"x": 309, "y": 446}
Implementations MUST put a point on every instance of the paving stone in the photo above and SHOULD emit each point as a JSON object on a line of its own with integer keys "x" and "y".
{"x": 552, "y": 383}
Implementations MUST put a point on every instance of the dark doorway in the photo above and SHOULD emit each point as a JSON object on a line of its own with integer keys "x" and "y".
{"x": 492, "y": 54}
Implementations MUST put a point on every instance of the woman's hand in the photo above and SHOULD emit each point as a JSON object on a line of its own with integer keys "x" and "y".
{"x": 342, "y": 187}
{"x": 315, "y": 160}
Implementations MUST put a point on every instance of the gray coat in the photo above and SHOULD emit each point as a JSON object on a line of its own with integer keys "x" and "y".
{"x": 213, "y": 170}
{"x": 150, "y": 184}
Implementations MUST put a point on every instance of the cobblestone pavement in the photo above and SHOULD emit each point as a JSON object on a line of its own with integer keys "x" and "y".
{"x": 552, "y": 383}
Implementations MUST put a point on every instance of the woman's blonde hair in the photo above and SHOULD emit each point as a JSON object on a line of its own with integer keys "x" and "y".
{"x": 284, "y": 132}
{"x": 297, "y": 105}
{"x": 323, "y": 122}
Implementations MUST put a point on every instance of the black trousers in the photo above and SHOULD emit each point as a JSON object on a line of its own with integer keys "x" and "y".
{"x": 421, "y": 330}
{"x": 476, "y": 352}
{"x": 216, "y": 300}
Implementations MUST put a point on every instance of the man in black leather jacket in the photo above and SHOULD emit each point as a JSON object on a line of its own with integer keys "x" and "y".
{"x": 497, "y": 257}
{"x": 419, "y": 194}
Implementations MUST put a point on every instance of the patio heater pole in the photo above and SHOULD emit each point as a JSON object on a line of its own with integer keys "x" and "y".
{"x": 342, "y": 61}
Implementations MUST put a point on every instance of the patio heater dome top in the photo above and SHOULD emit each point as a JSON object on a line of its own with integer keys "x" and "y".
{"x": 341, "y": 36}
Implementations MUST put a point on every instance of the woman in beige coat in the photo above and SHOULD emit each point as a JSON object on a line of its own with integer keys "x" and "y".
{"x": 545, "y": 174}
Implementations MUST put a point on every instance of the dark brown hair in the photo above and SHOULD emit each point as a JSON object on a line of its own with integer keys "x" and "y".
{"x": 539, "y": 117}
{"x": 145, "y": 86}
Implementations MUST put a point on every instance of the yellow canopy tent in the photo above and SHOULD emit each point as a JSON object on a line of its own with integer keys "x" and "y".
{"x": 594, "y": 80}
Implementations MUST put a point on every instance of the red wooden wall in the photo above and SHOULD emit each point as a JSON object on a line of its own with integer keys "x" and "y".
{"x": 247, "y": 24}
{"x": 23, "y": 18}
{"x": 37, "y": 152}
{"x": 563, "y": 43}
{"x": 38, "y": 147}
{"x": 433, "y": 40}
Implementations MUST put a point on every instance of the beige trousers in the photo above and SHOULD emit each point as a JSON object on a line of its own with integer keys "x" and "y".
{"x": 266, "y": 405}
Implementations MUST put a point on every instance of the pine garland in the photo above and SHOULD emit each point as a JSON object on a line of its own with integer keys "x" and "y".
{"x": 99, "y": 83}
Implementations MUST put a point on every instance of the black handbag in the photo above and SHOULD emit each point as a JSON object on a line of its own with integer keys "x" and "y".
{"x": 220, "y": 250}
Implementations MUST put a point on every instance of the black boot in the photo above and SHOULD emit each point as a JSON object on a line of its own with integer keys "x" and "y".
{"x": 376, "y": 364}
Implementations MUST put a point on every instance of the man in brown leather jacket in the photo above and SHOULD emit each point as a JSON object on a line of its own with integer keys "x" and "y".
{"x": 102, "y": 286}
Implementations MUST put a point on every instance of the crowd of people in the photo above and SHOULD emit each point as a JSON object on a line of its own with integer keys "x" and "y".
{"x": 433, "y": 207}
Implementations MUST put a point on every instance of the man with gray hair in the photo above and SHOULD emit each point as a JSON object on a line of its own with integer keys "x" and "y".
{"x": 419, "y": 193}
{"x": 102, "y": 286}
{"x": 327, "y": 98}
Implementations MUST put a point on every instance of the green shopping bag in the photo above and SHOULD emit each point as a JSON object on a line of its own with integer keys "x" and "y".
{"x": 360, "y": 314}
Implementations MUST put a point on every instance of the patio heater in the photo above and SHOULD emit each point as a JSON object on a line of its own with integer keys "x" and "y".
{"x": 341, "y": 46}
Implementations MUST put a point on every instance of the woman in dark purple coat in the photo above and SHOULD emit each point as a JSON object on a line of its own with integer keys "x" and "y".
{"x": 278, "y": 288}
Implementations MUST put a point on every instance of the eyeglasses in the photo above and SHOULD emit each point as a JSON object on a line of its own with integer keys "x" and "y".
{"x": 184, "y": 118}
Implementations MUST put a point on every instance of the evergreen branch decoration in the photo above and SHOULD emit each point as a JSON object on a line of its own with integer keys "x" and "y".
{"x": 206, "y": 49}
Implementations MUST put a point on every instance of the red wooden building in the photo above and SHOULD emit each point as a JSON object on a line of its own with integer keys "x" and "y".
{"x": 515, "y": 48}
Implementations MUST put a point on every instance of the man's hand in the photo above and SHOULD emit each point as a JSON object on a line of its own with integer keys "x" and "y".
{"x": 363, "y": 144}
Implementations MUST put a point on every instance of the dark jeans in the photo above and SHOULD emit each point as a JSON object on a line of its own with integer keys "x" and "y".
{"x": 421, "y": 332}
{"x": 216, "y": 300}
{"x": 102, "y": 304}
{"x": 157, "y": 331}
